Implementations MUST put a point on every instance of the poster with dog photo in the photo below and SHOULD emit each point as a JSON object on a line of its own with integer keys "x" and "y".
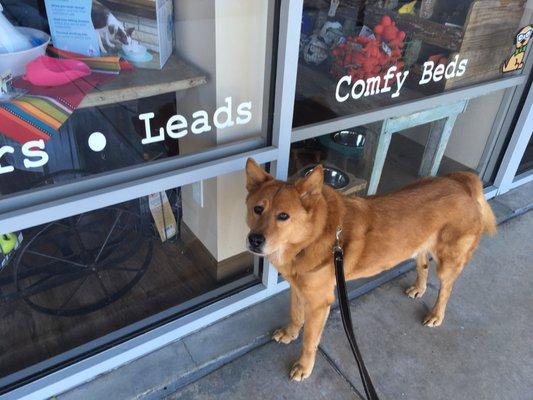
{"x": 140, "y": 31}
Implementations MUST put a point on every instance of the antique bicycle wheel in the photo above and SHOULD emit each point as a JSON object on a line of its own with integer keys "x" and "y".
{"x": 80, "y": 264}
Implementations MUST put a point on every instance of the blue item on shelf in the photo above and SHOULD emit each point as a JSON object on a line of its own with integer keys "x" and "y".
{"x": 307, "y": 22}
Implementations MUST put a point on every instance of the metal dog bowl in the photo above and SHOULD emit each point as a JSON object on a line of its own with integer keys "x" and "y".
{"x": 350, "y": 138}
{"x": 333, "y": 177}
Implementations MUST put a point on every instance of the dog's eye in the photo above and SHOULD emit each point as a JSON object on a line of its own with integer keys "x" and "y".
{"x": 282, "y": 216}
{"x": 258, "y": 210}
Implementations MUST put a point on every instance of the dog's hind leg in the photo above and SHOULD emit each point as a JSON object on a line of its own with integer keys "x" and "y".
{"x": 452, "y": 259}
{"x": 447, "y": 272}
{"x": 291, "y": 331}
{"x": 422, "y": 267}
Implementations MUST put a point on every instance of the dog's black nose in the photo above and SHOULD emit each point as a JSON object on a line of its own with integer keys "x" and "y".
{"x": 256, "y": 240}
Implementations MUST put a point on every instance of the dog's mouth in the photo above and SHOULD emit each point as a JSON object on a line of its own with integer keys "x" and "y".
{"x": 255, "y": 250}
{"x": 256, "y": 253}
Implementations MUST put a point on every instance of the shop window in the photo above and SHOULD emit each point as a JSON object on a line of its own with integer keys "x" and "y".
{"x": 144, "y": 85}
{"x": 91, "y": 276}
{"x": 358, "y": 56}
{"x": 125, "y": 84}
{"x": 383, "y": 156}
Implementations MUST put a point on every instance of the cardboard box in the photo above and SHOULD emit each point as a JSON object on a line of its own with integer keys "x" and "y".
{"x": 163, "y": 216}
{"x": 141, "y": 31}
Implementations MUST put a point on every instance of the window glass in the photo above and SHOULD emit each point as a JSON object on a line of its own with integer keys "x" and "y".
{"x": 91, "y": 276}
{"x": 128, "y": 83}
{"x": 357, "y": 56}
{"x": 380, "y": 157}
{"x": 526, "y": 163}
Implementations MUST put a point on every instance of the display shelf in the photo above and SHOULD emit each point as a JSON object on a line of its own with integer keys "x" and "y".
{"x": 176, "y": 75}
{"x": 141, "y": 8}
{"x": 445, "y": 36}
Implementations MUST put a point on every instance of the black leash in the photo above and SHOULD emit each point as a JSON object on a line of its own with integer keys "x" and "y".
{"x": 338, "y": 260}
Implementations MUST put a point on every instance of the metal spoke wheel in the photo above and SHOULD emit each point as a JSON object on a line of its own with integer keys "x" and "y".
{"x": 80, "y": 264}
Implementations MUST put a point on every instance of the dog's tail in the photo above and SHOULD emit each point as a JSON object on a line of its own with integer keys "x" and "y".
{"x": 474, "y": 187}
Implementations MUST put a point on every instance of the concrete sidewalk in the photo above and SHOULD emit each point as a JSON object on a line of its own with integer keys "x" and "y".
{"x": 484, "y": 350}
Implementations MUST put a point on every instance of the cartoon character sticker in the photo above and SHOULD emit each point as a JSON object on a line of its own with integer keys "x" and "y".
{"x": 516, "y": 61}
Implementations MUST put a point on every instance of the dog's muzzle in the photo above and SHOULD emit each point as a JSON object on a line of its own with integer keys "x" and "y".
{"x": 256, "y": 242}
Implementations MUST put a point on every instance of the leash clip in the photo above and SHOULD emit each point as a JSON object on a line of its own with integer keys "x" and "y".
{"x": 337, "y": 247}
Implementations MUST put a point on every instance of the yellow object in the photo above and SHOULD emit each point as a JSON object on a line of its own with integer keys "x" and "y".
{"x": 408, "y": 8}
{"x": 8, "y": 242}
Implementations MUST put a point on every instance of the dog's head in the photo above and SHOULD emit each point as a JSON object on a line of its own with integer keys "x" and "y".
{"x": 120, "y": 34}
{"x": 280, "y": 214}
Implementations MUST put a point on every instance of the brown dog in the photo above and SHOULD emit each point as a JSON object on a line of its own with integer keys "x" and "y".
{"x": 294, "y": 226}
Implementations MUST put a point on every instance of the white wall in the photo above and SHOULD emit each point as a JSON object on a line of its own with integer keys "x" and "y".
{"x": 194, "y": 36}
{"x": 227, "y": 39}
{"x": 470, "y": 132}
{"x": 241, "y": 46}
{"x": 472, "y": 129}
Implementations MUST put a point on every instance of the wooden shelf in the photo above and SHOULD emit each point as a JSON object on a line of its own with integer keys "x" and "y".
{"x": 447, "y": 37}
{"x": 176, "y": 75}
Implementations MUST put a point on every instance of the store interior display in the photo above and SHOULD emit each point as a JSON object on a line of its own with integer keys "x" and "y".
{"x": 373, "y": 40}
{"x": 74, "y": 114}
{"x": 81, "y": 276}
{"x": 362, "y": 55}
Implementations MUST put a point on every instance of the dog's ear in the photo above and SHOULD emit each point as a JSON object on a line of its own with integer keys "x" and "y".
{"x": 311, "y": 184}
{"x": 255, "y": 175}
{"x": 129, "y": 31}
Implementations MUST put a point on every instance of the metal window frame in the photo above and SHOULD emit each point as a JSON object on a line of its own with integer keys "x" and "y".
{"x": 506, "y": 178}
{"x": 56, "y": 202}
{"x": 137, "y": 181}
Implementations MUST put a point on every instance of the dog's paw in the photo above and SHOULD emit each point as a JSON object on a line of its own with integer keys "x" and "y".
{"x": 415, "y": 292}
{"x": 432, "y": 320}
{"x": 299, "y": 372}
{"x": 285, "y": 335}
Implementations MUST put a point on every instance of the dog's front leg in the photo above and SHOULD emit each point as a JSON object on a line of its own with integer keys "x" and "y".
{"x": 291, "y": 331}
{"x": 316, "y": 315}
